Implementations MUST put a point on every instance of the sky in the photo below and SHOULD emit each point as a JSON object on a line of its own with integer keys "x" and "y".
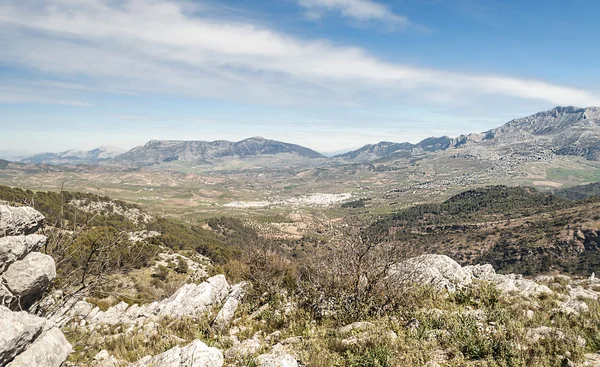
{"x": 331, "y": 75}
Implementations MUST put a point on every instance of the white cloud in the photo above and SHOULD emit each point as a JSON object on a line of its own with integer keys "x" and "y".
{"x": 361, "y": 10}
{"x": 169, "y": 47}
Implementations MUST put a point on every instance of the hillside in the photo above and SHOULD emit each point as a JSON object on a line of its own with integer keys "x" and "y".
{"x": 515, "y": 229}
{"x": 580, "y": 192}
{"x": 164, "y": 151}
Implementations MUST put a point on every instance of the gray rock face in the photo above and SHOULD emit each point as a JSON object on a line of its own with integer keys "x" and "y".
{"x": 19, "y": 221}
{"x": 442, "y": 272}
{"x": 232, "y": 302}
{"x": 49, "y": 350}
{"x": 28, "y": 279}
{"x": 439, "y": 271}
{"x": 196, "y": 354}
{"x": 189, "y": 301}
{"x": 25, "y": 340}
{"x": 192, "y": 299}
{"x": 15, "y": 248}
{"x": 5, "y": 296}
{"x": 17, "y": 331}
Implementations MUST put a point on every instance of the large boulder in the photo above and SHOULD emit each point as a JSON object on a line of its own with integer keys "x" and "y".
{"x": 18, "y": 221}
{"x": 196, "y": 354}
{"x": 438, "y": 271}
{"x": 15, "y": 248}
{"x": 17, "y": 331}
{"x": 27, "y": 279}
{"x": 48, "y": 350}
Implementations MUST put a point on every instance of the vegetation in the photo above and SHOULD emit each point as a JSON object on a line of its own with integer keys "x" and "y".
{"x": 516, "y": 229}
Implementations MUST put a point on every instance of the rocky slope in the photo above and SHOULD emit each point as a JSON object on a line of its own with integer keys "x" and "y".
{"x": 26, "y": 339}
{"x": 162, "y": 151}
{"x": 240, "y": 338}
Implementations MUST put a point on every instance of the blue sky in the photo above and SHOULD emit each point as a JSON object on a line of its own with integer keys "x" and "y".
{"x": 327, "y": 74}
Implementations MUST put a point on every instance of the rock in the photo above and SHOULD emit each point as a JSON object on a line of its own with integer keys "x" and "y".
{"x": 439, "y": 271}
{"x": 16, "y": 247}
{"x": 50, "y": 349}
{"x": 17, "y": 331}
{"x": 232, "y": 302}
{"x": 580, "y": 292}
{"x": 192, "y": 299}
{"x": 104, "y": 359}
{"x": 480, "y": 271}
{"x": 591, "y": 360}
{"x": 357, "y": 326}
{"x": 573, "y": 306}
{"x": 6, "y": 297}
{"x": 546, "y": 332}
{"x": 196, "y": 354}
{"x": 243, "y": 350}
{"x": 27, "y": 279}
{"x": 19, "y": 221}
{"x": 277, "y": 358}
{"x": 511, "y": 282}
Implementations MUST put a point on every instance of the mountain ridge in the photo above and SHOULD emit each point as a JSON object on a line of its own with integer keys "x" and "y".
{"x": 164, "y": 151}
{"x": 569, "y": 131}
{"x": 562, "y": 130}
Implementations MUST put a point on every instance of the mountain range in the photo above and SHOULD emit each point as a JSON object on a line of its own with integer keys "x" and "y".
{"x": 562, "y": 131}
{"x": 75, "y": 156}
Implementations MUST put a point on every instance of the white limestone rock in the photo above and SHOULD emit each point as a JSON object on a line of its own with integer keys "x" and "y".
{"x": 277, "y": 358}
{"x": 192, "y": 299}
{"x": 50, "y": 349}
{"x": 439, "y": 271}
{"x": 15, "y": 221}
{"x": 17, "y": 331}
{"x": 27, "y": 279}
{"x": 196, "y": 354}
{"x": 231, "y": 305}
{"x": 15, "y": 248}
{"x": 243, "y": 350}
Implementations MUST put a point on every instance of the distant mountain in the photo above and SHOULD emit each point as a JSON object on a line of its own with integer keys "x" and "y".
{"x": 161, "y": 151}
{"x": 387, "y": 149}
{"x": 561, "y": 131}
{"x": 74, "y": 156}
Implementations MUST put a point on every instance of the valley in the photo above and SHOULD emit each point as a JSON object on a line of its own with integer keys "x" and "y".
{"x": 479, "y": 250}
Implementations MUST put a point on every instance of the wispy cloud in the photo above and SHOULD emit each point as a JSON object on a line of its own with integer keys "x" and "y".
{"x": 169, "y": 47}
{"x": 361, "y": 10}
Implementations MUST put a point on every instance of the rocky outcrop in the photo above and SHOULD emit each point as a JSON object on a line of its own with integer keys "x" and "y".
{"x": 442, "y": 272}
{"x": 191, "y": 300}
{"x": 28, "y": 279}
{"x": 26, "y": 340}
{"x": 231, "y": 304}
{"x": 49, "y": 349}
{"x": 196, "y": 354}
{"x": 19, "y": 221}
{"x": 438, "y": 271}
{"x": 17, "y": 331}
